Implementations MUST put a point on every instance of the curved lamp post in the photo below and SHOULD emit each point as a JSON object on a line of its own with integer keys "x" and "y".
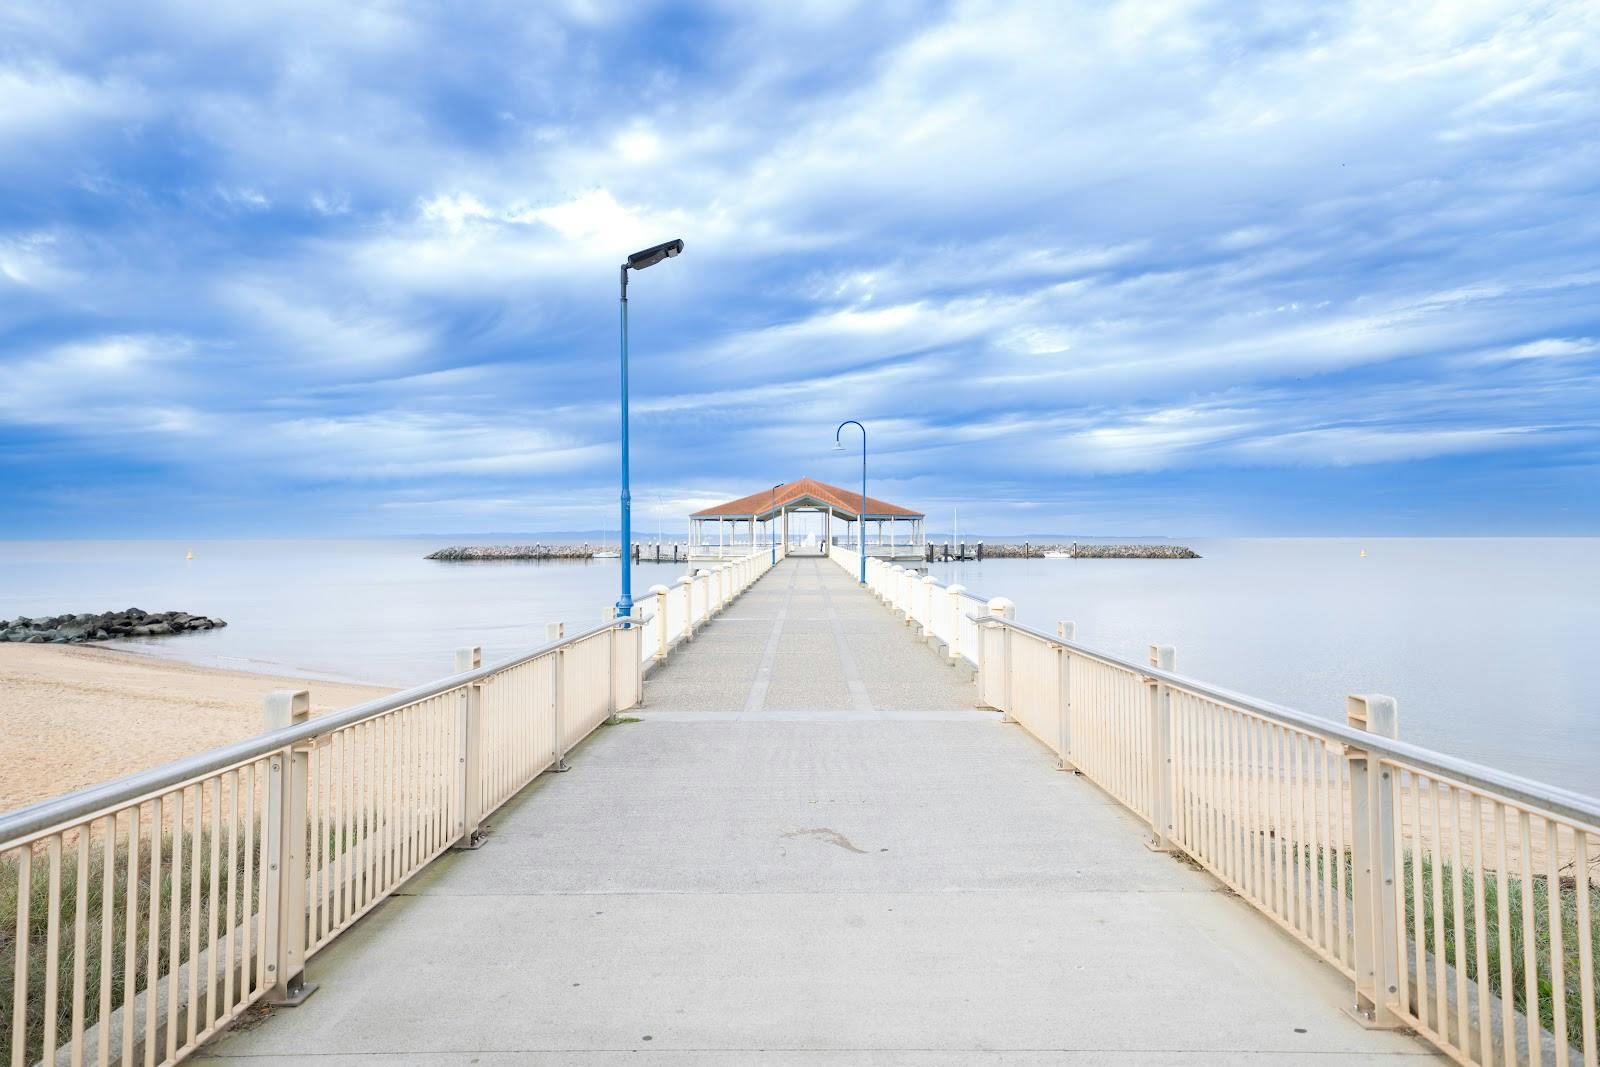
{"x": 638, "y": 261}
{"x": 773, "y": 506}
{"x": 861, "y": 517}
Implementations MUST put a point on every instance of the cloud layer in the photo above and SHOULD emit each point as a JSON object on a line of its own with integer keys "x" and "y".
{"x": 1131, "y": 268}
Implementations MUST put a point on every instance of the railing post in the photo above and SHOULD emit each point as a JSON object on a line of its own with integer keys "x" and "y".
{"x": 1067, "y": 631}
{"x": 686, "y": 583}
{"x": 660, "y": 592}
{"x": 284, "y": 900}
{"x": 611, "y": 673}
{"x": 1002, "y": 608}
{"x": 955, "y": 592}
{"x": 703, "y": 578}
{"x": 1162, "y": 657}
{"x": 1373, "y": 873}
{"x": 469, "y": 727}
{"x": 928, "y": 582}
{"x": 558, "y": 696}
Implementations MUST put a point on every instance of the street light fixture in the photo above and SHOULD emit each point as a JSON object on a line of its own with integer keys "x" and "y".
{"x": 861, "y": 517}
{"x": 638, "y": 261}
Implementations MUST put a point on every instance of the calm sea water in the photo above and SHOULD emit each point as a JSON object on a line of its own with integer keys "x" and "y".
{"x": 1481, "y": 640}
{"x": 1484, "y": 642}
{"x": 364, "y": 611}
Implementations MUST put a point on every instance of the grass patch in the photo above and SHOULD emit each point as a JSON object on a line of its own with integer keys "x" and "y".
{"x": 1531, "y": 901}
{"x": 98, "y": 952}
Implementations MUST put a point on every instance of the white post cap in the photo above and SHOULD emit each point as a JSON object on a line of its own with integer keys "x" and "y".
{"x": 956, "y": 589}
{"x": 928, "y": 579}
{"x": 660, "y": 590}
{"x": 687, "y": 579}
{"x": 1002, "y": 607}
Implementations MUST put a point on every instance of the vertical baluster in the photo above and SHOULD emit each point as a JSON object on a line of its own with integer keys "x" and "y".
{"x": 80, "y": 945}
{"x": 19, "y": 1018}
{"x": 214, "y": 893}
{"x": 153, "y": 950}
{"x": 247, "y": 881}
{"x": 174, "y": 926}
{"x": 1558, "y": 962}
{"x": 130, "y": 947}
{"x": 193, "y": 1006}
{"x": 1437, "y": 888}
{"x": 1325, "y": 881}
{"x": 1458, "y": 923}
{"x": 230, "y": 911}
{"x": 1419, "y": 862}
{"x": 1337, "y": 801}
{"x": 1480, "y": 933}
{"x": 1402, "y": 938}
{"x": 1508, "y": 1009}
{"x": 108, "y": 878}
{"x": 1585, "y": 924}
{"x": 1530, "y": 957}
{"x": 52, "y": 944}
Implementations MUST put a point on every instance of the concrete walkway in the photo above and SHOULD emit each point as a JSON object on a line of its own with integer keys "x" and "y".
{"x": 812, "y": 849}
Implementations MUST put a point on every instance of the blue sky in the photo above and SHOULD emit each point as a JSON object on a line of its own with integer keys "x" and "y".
{"x": 1127, "y": 268}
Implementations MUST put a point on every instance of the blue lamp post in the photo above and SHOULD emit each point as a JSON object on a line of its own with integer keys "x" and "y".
{"x": 638, "y": 261}
{"x": 861, "y": 517}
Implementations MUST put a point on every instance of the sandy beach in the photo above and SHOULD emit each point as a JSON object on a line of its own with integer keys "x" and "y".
{"x": 73, "y": 715}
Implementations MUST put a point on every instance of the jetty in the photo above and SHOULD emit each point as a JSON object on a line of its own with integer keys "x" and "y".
{"x": 778, "y": 816}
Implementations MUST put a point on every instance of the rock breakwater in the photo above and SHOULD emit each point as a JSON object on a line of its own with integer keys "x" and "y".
{"x": 1072, "y": 550}
{"x": 1102, "y": 551}
{"x": 474, "y": 553}
{"x": 73, "y": 629}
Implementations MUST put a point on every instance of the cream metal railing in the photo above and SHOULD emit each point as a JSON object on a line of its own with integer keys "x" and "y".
{"x": 147, "y": 913}
{"x": 1458, "y": 899}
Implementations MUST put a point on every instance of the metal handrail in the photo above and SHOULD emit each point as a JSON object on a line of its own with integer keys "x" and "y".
{"x": 1565, "y": 803}
{"x": 93, "y": 801}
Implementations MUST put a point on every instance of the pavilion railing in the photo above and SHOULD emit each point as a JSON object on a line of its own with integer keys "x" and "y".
{"x": 1458, "y": 899}
{"x": 141, "y": 916}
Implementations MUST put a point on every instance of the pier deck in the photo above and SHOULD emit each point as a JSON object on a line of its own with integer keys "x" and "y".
{"x": 813, "y": 849}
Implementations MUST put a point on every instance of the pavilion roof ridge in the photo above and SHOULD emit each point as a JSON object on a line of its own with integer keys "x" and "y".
{"x": 844, "y": 501}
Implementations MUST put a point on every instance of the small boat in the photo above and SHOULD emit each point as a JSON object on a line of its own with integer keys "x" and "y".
{"x": 190, "y": 554}
{"x": 1058, "y": 554}
{"x": 606, "y": 553}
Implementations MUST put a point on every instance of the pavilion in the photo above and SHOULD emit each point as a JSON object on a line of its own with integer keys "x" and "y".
{"x": 746, "y": 524}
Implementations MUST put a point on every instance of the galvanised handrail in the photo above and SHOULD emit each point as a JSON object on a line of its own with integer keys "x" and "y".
{"x": 1565, "y": 803}
{"x": 20, "y": 826}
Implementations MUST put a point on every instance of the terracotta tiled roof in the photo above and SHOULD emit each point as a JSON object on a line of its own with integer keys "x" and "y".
{"x": 840, "y": 499}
